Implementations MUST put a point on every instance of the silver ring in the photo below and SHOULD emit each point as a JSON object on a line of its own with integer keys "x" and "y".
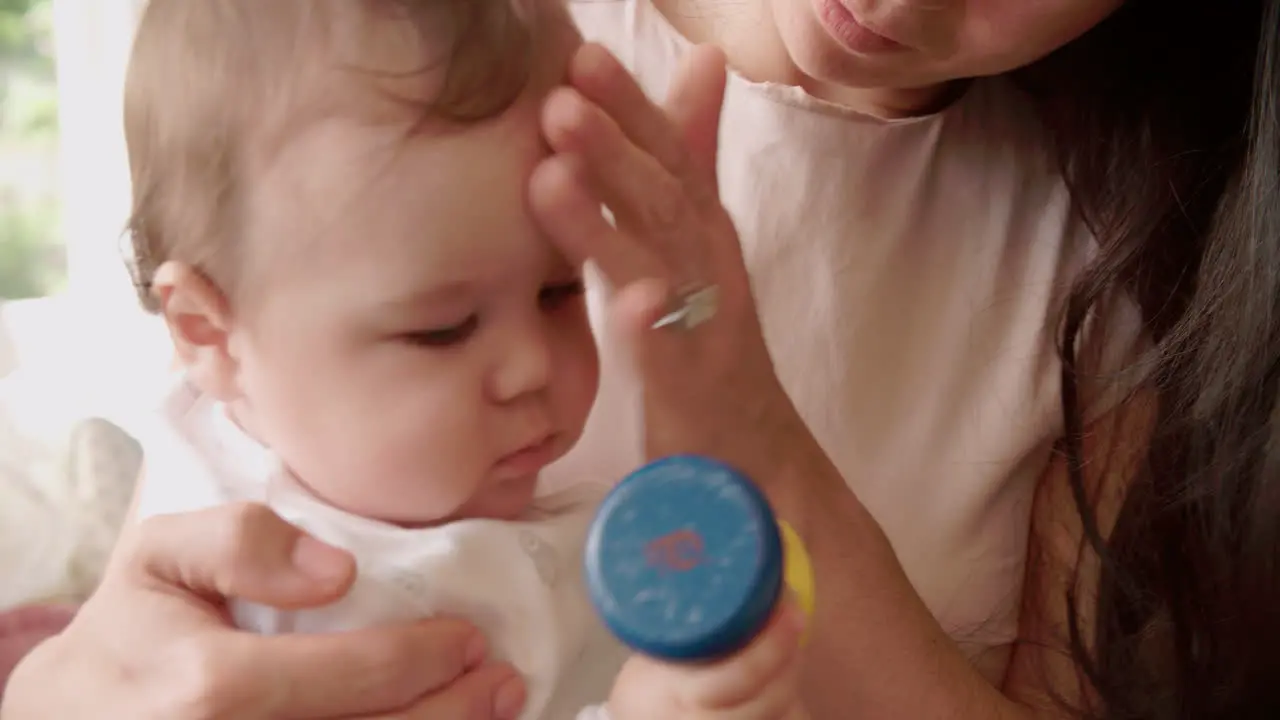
{"x": 694, "y": 306}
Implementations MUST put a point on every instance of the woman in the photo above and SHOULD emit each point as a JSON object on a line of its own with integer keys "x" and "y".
{"x": 1149, "y": 559}
{"x": 1167, "y": 617}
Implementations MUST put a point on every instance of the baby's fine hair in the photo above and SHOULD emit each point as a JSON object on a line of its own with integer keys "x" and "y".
{"x": 214, "y": 86}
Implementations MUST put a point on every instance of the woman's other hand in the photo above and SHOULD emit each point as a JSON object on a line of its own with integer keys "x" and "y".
{"x": 760, "y": 682}
{"x": 155, "y": 640}
{"x": 709, "y": 386}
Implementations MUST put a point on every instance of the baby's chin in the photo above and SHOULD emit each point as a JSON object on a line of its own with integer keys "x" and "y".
{"x": 508, "y": 500}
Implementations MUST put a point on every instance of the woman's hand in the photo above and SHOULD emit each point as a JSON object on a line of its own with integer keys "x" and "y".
{"x": 762, "y": 682}
{"x": 709, "y": 388}
{"x": 154, "y": 641}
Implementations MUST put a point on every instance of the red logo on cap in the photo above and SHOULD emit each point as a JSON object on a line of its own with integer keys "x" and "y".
{"x": 679, "y": 551}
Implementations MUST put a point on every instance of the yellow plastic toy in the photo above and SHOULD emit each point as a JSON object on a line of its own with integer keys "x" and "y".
{"x": 797, "y": 570}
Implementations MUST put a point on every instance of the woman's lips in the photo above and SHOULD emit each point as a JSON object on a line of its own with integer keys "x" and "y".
{"x": 845, "y": 27}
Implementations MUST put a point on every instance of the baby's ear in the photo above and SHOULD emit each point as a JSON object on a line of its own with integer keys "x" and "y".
{"x": 199, "y": 320}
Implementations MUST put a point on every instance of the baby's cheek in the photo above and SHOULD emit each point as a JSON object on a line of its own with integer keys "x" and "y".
{"x": 443, "y": 455}
{"x": 413, "y": 477}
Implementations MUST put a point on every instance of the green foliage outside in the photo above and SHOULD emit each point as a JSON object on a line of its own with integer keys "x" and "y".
{"x": 31, "y": 258}
{"x": 30, "y": 265}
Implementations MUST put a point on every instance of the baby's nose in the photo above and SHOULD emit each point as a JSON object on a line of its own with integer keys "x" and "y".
{"x": 524, "y": 367}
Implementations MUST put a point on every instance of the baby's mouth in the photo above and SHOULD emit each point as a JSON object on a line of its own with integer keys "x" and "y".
{"x": 529, "y": 459}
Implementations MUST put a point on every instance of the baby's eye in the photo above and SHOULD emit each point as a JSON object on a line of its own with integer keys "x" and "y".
{"x": 555, "y": 296}
{"x": 445, "y": 337}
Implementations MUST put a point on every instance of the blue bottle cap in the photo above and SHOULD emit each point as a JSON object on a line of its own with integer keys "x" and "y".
{"x": 684, "y": 560}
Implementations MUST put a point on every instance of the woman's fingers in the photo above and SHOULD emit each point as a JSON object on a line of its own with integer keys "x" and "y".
{"x": 312, "y": 676}
{"x": 494, "y": 692}
{"x": 632, "y": 311}
{"x": 760, "y": 682}
{"x": 682, "y": 136}
{"x": 623, "y": 172}
{"x": 604, "y": 81}
{"x": 562, "y": 199}
{"x": 243, "y": 551}
{"x": 350, "y": 674}
{"x": 153, "y": 640}
{"x": 654, "y": 169}
{"x": 637, "y": 307}
{"x": 761, "y": 675}
{"x": 646, "y": 200}
{"x": 693, "y": 106}
{"x": 248, "y": 552}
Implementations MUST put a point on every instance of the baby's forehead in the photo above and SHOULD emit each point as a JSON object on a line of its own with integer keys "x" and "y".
{"x": 345, "y": 190}
{"x": 362, "y": 159}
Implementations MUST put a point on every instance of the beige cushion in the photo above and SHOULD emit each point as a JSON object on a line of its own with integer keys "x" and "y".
{"x": 62, "y": 503}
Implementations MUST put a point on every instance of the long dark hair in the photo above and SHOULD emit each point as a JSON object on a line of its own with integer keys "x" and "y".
{"x": 1166, "y": 118}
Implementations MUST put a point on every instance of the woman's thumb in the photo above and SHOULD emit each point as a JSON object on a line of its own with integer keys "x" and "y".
{"x": 635, "y": 308}
{"x": 242, "y": 551}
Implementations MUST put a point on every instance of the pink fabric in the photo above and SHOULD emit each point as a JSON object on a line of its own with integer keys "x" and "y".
{"x": 23, "y": 628}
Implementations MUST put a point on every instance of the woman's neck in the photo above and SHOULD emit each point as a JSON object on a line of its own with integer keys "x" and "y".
{"x": 745, "y": 30}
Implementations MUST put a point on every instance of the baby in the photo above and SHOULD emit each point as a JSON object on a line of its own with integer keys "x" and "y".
{"x": 376, "y": 341}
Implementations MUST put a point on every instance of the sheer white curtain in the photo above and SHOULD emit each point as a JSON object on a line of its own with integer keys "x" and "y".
{"x": 92, "y": 39}
{"x": 90, "y": 351}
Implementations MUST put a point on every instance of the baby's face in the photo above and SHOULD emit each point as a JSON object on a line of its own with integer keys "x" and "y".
{"x": 408, "y": 343}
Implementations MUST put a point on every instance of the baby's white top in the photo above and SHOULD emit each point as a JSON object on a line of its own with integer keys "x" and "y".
{"x": 908, "y": 275}
{"x": 519, "y": 582}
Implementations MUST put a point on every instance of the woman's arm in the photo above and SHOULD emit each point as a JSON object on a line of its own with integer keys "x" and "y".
{"x": 876, "y": 647}
{"x": 876, "y": 651}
